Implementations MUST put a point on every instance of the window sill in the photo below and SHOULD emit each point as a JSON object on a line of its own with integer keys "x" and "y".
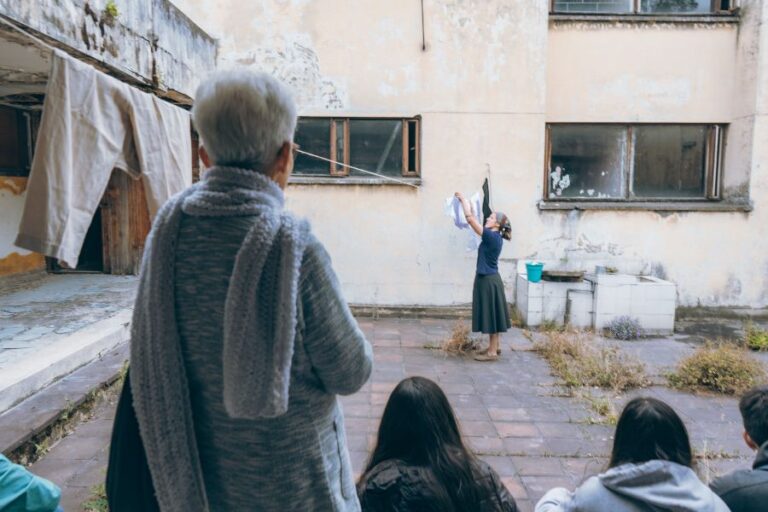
{"x": 635, "y": 19}
{"x": 660, "y": 206}
{"x": 352, "y": 180}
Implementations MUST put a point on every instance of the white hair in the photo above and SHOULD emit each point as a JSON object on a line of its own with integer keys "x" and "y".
{"x": 244, "y": 118}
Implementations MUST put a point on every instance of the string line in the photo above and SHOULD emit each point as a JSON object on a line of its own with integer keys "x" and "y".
{"x": 401, "y": 182}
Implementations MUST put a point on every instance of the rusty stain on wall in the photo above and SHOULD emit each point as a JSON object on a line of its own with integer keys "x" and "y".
{"x": 16, "y": 263}
{"x": 15, "y": 185}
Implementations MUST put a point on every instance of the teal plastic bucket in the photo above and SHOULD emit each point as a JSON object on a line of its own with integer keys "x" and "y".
{"x": 534, "y": 271}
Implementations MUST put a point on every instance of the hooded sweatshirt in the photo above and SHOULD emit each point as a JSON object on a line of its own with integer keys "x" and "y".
{"x": 649, "y": 487}
{"x": 746, "y": 490}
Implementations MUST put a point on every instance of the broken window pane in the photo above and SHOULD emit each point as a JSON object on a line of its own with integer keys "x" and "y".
{"x": 670, "y": 161}
{"x": 593, "y": 6}
{"x": 676, "y": 6}
{"x": 587, "y": 162}
{"x": 376, "y": 145}
{"x": 314, "y": 136}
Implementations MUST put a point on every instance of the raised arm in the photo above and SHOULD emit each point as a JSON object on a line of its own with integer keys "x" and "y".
{"x": 473, "y": 222}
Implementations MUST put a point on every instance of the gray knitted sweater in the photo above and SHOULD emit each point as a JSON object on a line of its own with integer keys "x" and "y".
{"x": 295, "y": 459}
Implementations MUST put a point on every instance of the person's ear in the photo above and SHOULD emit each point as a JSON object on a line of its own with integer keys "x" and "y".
{"x": 749, "y": 441}
{"x": 204, "y": 156}
{"x": 283, "y": 165}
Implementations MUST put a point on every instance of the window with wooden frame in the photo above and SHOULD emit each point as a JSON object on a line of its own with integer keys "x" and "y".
{"x": 675, "y": 7}
{"x": 15, "y": 141}
{"x": 639, "y": 162}
{"x": 386, "y": 146}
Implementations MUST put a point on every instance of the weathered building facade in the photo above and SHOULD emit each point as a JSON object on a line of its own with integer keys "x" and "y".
{"x": 631, "y": 136}
{"x": 148, "y": 44}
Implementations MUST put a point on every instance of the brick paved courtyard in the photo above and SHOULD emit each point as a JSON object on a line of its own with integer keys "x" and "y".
{"x": 512, "y": 413}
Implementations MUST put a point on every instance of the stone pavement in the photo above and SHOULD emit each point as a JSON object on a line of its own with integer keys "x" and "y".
{"x": 512, "y": 413}
{"x": 58, "y": 305}
{"x": 53, "y": 324}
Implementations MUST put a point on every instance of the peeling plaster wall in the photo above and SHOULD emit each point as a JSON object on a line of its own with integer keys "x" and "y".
{"x": 151, "y": 41}
{"x": 493, "y": 74}
{"x": 678, "y": 73}
{"x": 14, "y": 260}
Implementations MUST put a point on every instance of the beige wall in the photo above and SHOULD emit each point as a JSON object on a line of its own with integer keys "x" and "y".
{"x": 493, "y": 74}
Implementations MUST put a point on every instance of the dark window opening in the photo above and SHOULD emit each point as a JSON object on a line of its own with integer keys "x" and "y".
{"x": 15, "y": 147}
{"x": 640, "y": 6}
{"x": 633, "y": 162}
{"x": 386, "y": 146}
{"x": 376, "y": 145}
{"x": 313, "y": 135}
{"x": 91, "y": 254}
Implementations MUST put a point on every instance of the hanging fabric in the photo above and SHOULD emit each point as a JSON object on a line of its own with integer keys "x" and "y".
{"x": 91, "y": 124}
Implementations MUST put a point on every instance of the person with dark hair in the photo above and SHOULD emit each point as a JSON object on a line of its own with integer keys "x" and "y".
{"x": 650, "y": 470}
{"x": 490, "y": 311}
{"x": 420, "y": 463}
{"x": 747, "y": 490}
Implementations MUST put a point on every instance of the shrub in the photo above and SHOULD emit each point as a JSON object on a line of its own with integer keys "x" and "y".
{"x": 756, "y": 338}
{"x": 624, "y": 328}
{"x": 580, "y": 364}
{"x": 721, "y": 368}
{"x": 461, "y": 340}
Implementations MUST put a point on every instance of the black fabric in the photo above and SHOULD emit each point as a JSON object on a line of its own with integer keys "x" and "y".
{"x": 129, "y": 483}
{"x": 490, "y": 311}
{"x": 486, "y": 201}
{"x": 395, "y": 486}
{"x": 746, "y": 490}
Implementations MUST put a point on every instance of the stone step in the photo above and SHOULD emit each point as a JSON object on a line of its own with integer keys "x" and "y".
{"x": 25, "y": 377}
{"x": 22, "y": 422}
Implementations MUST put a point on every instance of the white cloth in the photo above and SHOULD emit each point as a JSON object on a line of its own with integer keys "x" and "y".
{"x": 455, "y": 211}
{"x": 91, "y": 124}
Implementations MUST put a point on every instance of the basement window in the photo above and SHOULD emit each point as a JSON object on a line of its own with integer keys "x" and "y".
{"x": 386, "y": 146}
{"x": 660, "y": 7}
{"x": 642, "y": 162}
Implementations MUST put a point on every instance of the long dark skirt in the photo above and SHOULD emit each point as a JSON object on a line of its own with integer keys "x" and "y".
{"x": 490, "y": 311}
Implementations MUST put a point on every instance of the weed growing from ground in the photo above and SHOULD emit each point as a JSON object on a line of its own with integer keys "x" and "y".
{"x": 721, "y": 368}
{"x": 755, "y": 338}
{"x": 624, "y": 328}
{"x": 581, "y": 364}
{"x": 461, "y": 340}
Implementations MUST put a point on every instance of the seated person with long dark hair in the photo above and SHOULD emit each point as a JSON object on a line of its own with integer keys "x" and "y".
{"x": 420, "y": 463}
{"x": 650, "y": 469}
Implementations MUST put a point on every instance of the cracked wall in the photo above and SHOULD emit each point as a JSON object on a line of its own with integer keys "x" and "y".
{"x": 493, "y": 73}
{"x": 149, "y": 41}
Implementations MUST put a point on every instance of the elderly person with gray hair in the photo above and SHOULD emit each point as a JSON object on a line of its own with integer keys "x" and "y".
{"x": 241, "y": 338}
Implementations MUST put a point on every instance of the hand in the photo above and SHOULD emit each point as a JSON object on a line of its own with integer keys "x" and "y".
{"x": 459, "y": 195}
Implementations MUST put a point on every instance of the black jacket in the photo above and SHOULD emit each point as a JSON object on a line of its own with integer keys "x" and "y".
{"x": 746, "y": 490}
{"x": 394, "y": 486}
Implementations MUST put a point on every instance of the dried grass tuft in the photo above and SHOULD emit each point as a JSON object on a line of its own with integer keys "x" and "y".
{"x": 718, "y": 367}
{"x": 461, "y": 340}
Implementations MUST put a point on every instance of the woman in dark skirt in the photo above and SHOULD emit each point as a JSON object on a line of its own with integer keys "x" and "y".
{"x": 490, "y": 311}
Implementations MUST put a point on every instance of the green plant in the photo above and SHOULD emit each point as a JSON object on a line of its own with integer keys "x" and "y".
{"x": 97, "y": 501}
{"x": 111, "y": 11}
{"x": 516, "y": 318}
{"x": 580, "y": 364}
{"x": 755, "y": 338}
{"x": 604, "y": 408}
{"x": 548, "y": 326}
{"x": 718, "y": 367}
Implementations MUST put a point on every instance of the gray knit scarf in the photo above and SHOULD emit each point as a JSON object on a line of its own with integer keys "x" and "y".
{"x": 258, "y": 337}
